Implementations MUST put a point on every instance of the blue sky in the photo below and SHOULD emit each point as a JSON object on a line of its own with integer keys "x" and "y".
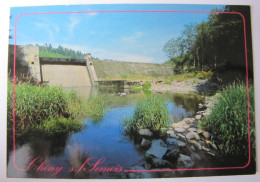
{"x": 133, "y": 37}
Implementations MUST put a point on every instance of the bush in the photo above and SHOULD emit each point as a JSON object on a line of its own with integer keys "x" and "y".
{"x": 60, "y": 126}
{"x": 147, "y": 85}
{"x": 150, "y": 113}
{"x": 228, "y": 122}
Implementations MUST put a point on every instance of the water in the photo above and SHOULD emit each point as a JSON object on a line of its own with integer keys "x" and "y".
{"x": 102, "y": 145}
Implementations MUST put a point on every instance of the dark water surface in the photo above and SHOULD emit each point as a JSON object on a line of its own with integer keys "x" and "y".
{"x": 101, "y": 145}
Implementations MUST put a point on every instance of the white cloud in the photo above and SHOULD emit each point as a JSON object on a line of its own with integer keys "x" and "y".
{"x": 73, "y": 22}
{"x": 131, "y": 39}
{"x": 50, "y": 27}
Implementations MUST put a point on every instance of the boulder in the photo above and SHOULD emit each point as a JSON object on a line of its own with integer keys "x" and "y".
{"x": 145, "y": 132}
{"x": 195, "y": 157}
{"x": 196, "y": 144}
{"x": 174, "y": 136}
{"x": 159, "y": 163}
{"x": 192, "y": 129}
{"x": 189, "y": 120}
{"x": 206, "y": 135}
{"x": 198, "y": 117}
{"x": 145, "y": 143}
{"x": 190, "y": 136}
{"x": 158, "y": 149}
{"x": 173, "y": 154}
{"x": 180, "y": 130}
{"x": 185, "y": 162}
{"x": 172, "y": 141}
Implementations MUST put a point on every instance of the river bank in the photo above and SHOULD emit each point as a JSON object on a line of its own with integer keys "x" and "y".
{"x": 185, "y": 146}
{"x": 190, "y": 85}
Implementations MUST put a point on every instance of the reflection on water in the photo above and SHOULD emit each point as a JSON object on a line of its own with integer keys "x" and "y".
{"x": 101, "y": 145}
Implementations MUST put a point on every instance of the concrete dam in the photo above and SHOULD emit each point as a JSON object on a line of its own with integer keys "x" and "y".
{"x": 79, "y": 72}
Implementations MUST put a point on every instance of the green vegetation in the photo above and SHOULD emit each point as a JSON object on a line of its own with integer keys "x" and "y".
{"x": 147, "y": 85}
{"x": 51, "y": 55}
{"x": 191, "y": 75}
{"x": 59, "y": 126}
{"x": 59, "y": 52}
{"x": 96, "y": 107}
{"x": 212, "y": 44}
{"x": 228, "y": 122}
{"x": 150, "y": 113}
{"x": 39, "y": 107}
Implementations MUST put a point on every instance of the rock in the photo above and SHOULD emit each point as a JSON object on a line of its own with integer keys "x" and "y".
{"x": 205, "y": 149}
{"x": 170, "y": 132}
{"x": 189, "y": 120}
{"x": 195, "y": 156}
{"x": 147, "y": 166}
{"x": 202, "y": 107}
{"x": 123, "y": 94}
{"x": 180, "y": 124}
{"x": 192, "y": 129}
{"x": 213, "y": 146}
{"x": 159, "y": 163}
{"x": 158, "y": 149}
{"x": 145, "y": 143}
{"x": 192, "y": 148}
{"x": 211, "y": 154}
{"x": 196, "y": 144}
{"x": 198, "y": 117}
{"x": 174, "y": 136}
{"x": 180, "y": 130}
{"x": 206, "y": 135}
{"x": 181, "y": 136}
{"x": 142, "y": 174}
{"x": 190, "y": 136}
{"x": 172, "y": 141}
{"x": 173, "y": 154}
{"x": 145, "y": 132}
{"x": 207, "y": 112}
{"x": 185, "y": 162}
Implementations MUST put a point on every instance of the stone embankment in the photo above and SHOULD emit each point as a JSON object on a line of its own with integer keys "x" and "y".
{"x": 191, "y": 85}
{"x": 185, "y": 146}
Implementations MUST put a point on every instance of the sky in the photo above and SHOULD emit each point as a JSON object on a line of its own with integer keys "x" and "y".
{"x": 121, "y": 36}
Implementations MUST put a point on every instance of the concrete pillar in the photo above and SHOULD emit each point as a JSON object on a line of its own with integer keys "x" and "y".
{"x": 91, "y": 69}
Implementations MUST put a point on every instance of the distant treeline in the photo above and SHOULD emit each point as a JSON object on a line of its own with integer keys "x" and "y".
{"x": 212, "y": 44}
{"x": 60, "y": 52}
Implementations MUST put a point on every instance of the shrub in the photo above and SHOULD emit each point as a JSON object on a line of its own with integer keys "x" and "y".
{"x": 228, "y": 121}
{"x": 147, "y": 85}
{"x": 60, "y": 126}
{"x": 150, "y": 113}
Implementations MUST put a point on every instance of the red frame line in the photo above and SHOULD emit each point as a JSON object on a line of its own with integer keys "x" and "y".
{"x": 158, "y": 170}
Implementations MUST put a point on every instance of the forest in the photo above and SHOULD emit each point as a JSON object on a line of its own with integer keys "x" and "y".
{"x": 47, "y": 50}
{"x": 215, "y": 44}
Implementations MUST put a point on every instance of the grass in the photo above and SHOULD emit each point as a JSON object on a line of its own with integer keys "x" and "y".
{"x": 60, "y": 126}
{"x": 191, "y": 75}
{"x": 43, "y": 106}
{"x": 150, "y": 113}
{"x": 228, "y": 122}
{"x": 134, "y": 78}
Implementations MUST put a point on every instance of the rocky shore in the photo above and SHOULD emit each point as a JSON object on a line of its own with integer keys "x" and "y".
{"x": 185, "y": 146}
{"x": 191, "y": 85}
